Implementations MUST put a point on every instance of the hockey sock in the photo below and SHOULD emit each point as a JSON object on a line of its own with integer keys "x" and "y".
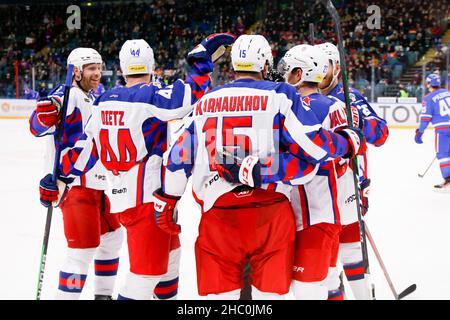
{"x": 358, "y": 281}
{"x": 351, "y": 257}
{"x": 138, "y": 287}
{"x": 259, "y": 295}
{"x": 107, "y": 262}
{"x": 309, "y": 290}
{"x": 332, "y": 282}
{"x": 231, "y": 295}
{"x": 167, "y": 288}
{"x": 73, "y": 273}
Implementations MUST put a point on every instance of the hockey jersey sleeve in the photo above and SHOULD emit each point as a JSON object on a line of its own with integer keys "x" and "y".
{"x": 36, "y": 128}
{"x": 288, "y": 169}
{"x": 374, "y": 128}
{"x": 80, "y": 158}
{"x": 179, "y": 159}
{"x": 426, "y": 114}
{"x": 302, "y": 134}
{"x": 175, "y": 101}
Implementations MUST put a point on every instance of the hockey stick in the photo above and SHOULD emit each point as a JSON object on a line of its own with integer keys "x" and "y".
{"x": 335, "y": 15}
{"x": 311, "y": 33}
{"x": 423, "y": 174}
{"x": 48, "y": 222}
{"x": 402, "y": 294}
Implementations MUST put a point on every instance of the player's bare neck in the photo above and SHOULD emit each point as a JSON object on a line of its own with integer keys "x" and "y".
{"x": 134, "y": 80}
{"x": 249, "y": 75}
{"x": 306, "y": 90}
{"x": 330, "y": 87}
{"x": 76, "y": 85}
{"x": 432, "y": 89}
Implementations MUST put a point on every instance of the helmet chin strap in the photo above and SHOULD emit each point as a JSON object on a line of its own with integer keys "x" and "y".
{"x": 78, "y": 82}
{"x": 333, "y": 81}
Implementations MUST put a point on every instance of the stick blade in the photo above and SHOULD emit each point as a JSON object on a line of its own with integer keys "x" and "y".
{"x": 407, "y": 291}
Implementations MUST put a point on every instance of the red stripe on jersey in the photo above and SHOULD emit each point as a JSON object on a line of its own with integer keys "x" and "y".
{"x": 445, "y": 165}
{"x": 332, "y": 181}
{"x": 200, "y": 202}
{"x": 436, "y": 142}
{"x": 303, "y": 206}
{"x": 140, "y": 183}
{"x": 271, "y": 187}
{"x": 83, "y": 180}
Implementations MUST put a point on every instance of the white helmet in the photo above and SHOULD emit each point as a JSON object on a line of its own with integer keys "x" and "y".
{"x": 250, "y": 53}
{"x": 309, "y": 59}
{"x": 331, "y": 51}
{"x": 81, "y": 56}
{"x": 136, "y": 57}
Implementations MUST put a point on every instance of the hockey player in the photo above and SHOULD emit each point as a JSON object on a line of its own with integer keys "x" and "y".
{"x": 375, "y": 132}
{"x": 321, "y": 205}
{"x": 127, "y": 132}
{"x": 239, "y": 223}
{"x": 436, "y": 109}
{"x": 91, "y": 231}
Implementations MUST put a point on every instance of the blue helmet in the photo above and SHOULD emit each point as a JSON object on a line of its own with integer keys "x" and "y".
{"x": 433, "y": 80}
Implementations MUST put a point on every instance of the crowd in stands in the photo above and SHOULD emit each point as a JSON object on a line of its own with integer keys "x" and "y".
{"x": 407, "y": 29}
{"x": 37, "y": 36}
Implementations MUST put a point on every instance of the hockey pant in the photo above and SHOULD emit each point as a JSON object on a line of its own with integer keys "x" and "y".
{"x": 154, "y": 256}
{"x": 443, "y": 153}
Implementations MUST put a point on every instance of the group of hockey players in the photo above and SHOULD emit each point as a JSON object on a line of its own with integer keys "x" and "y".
{"x": 269, "y": 162}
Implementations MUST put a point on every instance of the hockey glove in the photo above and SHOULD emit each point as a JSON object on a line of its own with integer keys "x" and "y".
{"x": 51, "y": 193}
{"x": 418, "y": 136}
{"x": 209, "y": 50}
{"x": 166, "y": 212}
{"x": 355, "y": 139}
{"x": 235, "y": 169}
{"x": 365, "y": 190}
{"x": 357, "y": 117}
{"x": 47, "y": 111}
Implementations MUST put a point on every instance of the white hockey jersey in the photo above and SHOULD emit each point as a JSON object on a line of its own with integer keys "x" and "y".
{"x": 262, "y": 118}
{"x": 127, "y": 132}
{"x": 330, "y": 196}
{"x": 79, "y": 111}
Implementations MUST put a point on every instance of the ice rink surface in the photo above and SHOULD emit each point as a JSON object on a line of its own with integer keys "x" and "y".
{"x": 408, "y": 220}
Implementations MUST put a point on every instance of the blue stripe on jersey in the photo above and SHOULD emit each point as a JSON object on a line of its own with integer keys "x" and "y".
{"x": 170, "y": 97}
{"x": 155, "y": 136}
{"x": 375, "y": 127}
{"x": 183, "y": 151}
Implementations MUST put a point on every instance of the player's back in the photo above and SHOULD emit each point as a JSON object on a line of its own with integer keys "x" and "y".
{"x": 244, "y": 115}
{"x": 438, "y": 104}
{"x": 130, "y": 135}
{"x": 325, "y": 197}
{"x": 330, "y": 111}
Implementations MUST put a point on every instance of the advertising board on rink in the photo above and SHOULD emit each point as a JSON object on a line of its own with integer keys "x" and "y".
{"x": 397, "y": 115}
{"x": 16, "y": 108}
